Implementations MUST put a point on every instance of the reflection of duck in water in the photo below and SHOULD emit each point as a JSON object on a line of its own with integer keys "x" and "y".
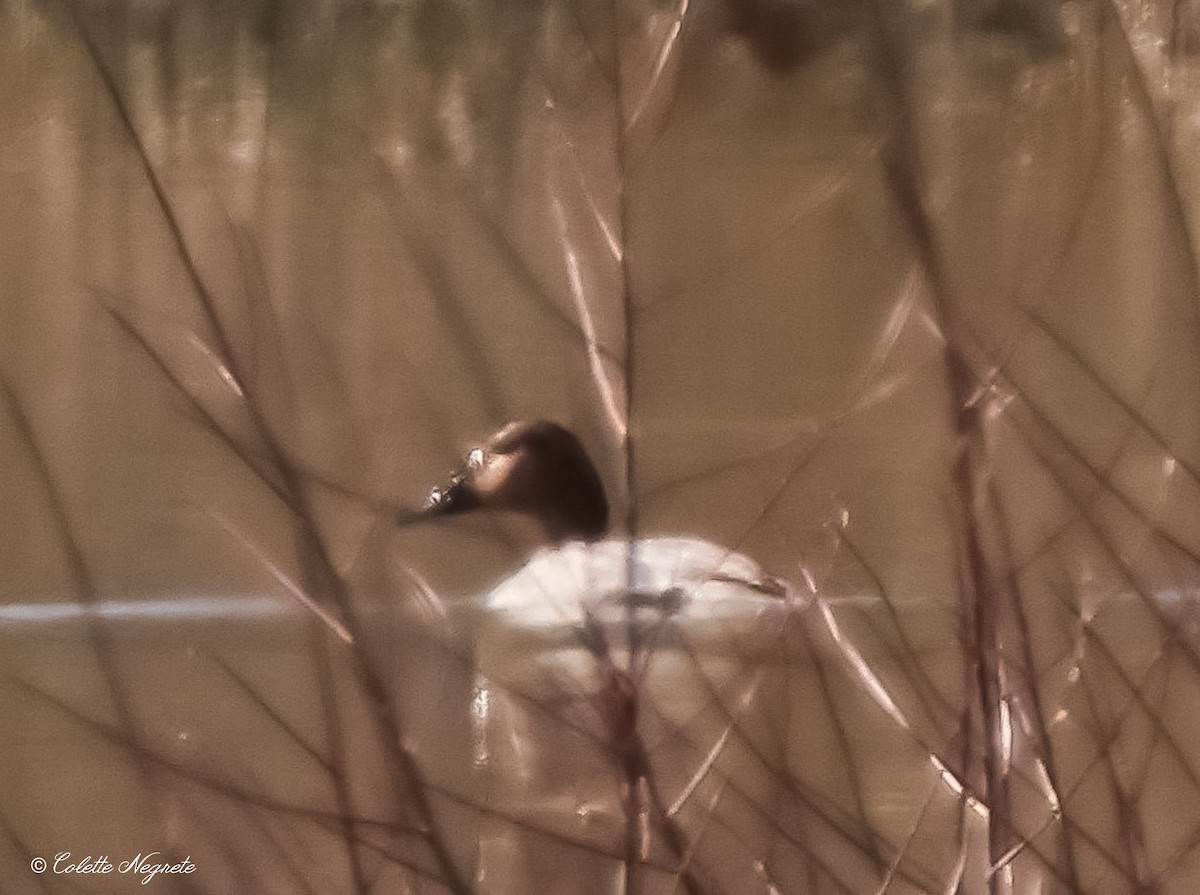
{"x": 542, "y": 471}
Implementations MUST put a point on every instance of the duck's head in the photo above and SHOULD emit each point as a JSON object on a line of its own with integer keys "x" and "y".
{"x": 538, "y": 469}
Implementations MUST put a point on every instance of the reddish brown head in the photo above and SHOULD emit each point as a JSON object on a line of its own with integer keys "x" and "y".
{"x": 539, "y": 469}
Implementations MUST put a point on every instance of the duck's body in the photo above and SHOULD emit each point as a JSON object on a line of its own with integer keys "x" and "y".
{"x": 676, "y": 576}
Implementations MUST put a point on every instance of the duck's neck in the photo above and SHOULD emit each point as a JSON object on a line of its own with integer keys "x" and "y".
{"x": 560, "y": 529}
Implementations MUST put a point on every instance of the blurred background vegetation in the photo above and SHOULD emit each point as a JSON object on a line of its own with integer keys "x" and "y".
{"x": 898, "y": 298}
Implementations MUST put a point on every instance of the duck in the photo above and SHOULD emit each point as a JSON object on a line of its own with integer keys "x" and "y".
{"x": 664, "y": 663}
{"x": 578, "y": 572}
{"x": 627, "y": 639}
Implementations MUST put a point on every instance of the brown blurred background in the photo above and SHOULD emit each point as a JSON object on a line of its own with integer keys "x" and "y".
{"x": 899, "y": 300}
